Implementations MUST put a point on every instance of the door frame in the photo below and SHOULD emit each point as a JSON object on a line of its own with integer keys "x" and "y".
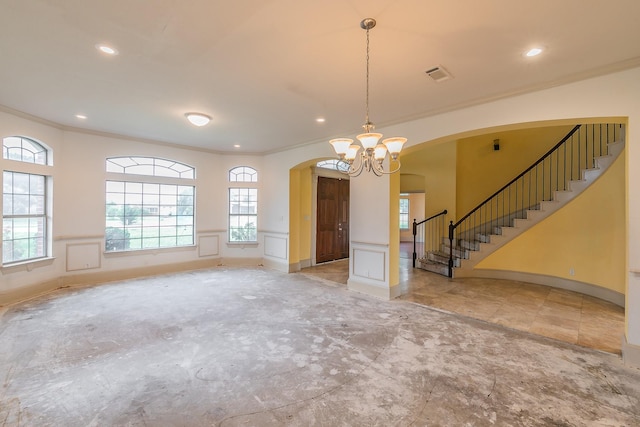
{"x": 315, "y": 173}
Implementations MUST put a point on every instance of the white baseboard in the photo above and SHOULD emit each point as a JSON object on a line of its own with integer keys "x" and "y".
{"x": 379, "y": 291}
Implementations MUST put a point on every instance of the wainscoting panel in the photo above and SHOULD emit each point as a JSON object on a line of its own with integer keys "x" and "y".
{"x": 275, "y": 246}
{"x": 369, "y": 264}
{"x": 209, "y": 245}
{"x": 83, "y": 256}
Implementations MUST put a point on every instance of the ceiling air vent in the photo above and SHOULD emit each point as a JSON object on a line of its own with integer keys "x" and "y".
{"x": 439, "y": 74}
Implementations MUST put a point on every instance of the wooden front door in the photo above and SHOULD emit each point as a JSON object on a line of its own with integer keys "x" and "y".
{"x": 332, "y": 219}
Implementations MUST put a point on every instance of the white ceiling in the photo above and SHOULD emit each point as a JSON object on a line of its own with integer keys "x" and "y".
{"x": 266, "y": 69}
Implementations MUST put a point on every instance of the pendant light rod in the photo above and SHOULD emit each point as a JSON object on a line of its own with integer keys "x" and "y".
{"x": 370, "y": 154}
{"x": 367, "y": 24}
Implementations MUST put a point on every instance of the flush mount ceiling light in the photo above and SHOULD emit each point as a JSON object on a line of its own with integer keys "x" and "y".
{"x": 107, "y": 49}
{"x": 370, "y": 154}
{"x": 198, "y": 119}
{"x": 533, "y": 52}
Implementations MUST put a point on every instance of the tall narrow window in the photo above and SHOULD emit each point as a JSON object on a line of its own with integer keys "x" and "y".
{"x": 243, "y": 205}
{"x": 25, "y": 235}
{"x": 404, "y": 213}
{"x": 149, "y": 213}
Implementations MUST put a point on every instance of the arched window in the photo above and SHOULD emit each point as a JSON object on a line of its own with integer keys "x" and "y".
{"x": 24, "y": 150}
{"x": 143, "y": 213}
{"x": 243, "y": 174}
{"x": 333, "y": 164}
{"x": 150, "y": 166}
{"x": 25, "y": 208}
{"x": 243, "y": 205}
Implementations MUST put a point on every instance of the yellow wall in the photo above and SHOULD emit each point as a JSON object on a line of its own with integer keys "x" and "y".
{"x": 300, "y": 189}
{"x": 435, "y": 165}
{"x": 410, "y": 183}
{"x": 587, "y": 235}
{"x": 294, "y": 216}
{"x": 440, "y": 178}
{"x": 481, "y": 170}
{"x": 394, "y": 231}
{"x": 305, "y": 214}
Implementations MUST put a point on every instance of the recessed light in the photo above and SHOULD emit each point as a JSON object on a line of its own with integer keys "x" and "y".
{"x": 198, "y": 119}
{"x": 81, "y": 116}
{"x": 320, "y": 120}
{"x": 236, "y": 145}
{"x": 533, "y": 52}
{"x": 107, "y": 49}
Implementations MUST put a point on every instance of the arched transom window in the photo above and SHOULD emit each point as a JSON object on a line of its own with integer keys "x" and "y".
{"x": 243, "y": 174}
{"x": 150, "y": 166}
{"x": 24, "y": 149}
{"x": 333, "y": 164}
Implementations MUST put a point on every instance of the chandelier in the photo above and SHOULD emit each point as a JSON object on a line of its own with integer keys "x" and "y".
{"x": 370, "y": 154}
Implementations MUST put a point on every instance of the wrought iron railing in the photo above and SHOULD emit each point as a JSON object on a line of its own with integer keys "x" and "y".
{"x": 563, "y": 163}
{"x": 428, "y": 235}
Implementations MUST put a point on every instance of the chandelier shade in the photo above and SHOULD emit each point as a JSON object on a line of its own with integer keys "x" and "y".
{"x": 370, "y": 154}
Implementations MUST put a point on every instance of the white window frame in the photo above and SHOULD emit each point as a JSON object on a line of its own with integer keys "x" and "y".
{"x": 243, "y": 206}
{"x": 404, "y": 214}
{"x": 157, "y": 193}
{"x": 25, "y": 157}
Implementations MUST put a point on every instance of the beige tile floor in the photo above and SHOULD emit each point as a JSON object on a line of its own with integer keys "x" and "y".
{"x": 555, "y": 313}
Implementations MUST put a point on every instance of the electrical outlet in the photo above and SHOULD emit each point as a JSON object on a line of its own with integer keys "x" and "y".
{"x": 572, "y": 272}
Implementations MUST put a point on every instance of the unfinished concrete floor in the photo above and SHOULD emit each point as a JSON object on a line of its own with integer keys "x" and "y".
{"x": 254, "y": 347}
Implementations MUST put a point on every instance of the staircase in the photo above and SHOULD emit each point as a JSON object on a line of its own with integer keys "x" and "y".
{"x": 554, "y": 180}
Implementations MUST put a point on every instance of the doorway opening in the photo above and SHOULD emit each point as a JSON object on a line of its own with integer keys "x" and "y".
{"x": 332, "y": 219}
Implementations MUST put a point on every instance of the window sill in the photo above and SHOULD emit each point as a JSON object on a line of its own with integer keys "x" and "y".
{"x": 242, "y": 245}
{"x": 26, "y": 265}
{"x": 152, "y": 251}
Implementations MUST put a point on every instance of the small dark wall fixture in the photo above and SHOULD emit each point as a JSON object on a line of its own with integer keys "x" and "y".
{"x": 496, "y": 145}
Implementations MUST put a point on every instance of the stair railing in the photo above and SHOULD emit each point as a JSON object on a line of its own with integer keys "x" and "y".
{"x": 563, "y": 163}
{"x": 428, "y": 234}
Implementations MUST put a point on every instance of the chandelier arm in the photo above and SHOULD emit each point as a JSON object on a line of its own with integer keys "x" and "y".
{"x": 356, "y": 167}
{"x": 394, "y": 170}
{"x": 345, "y": 170}
{"x": 377, "y": 169}
{"x": 356, "y": 171}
